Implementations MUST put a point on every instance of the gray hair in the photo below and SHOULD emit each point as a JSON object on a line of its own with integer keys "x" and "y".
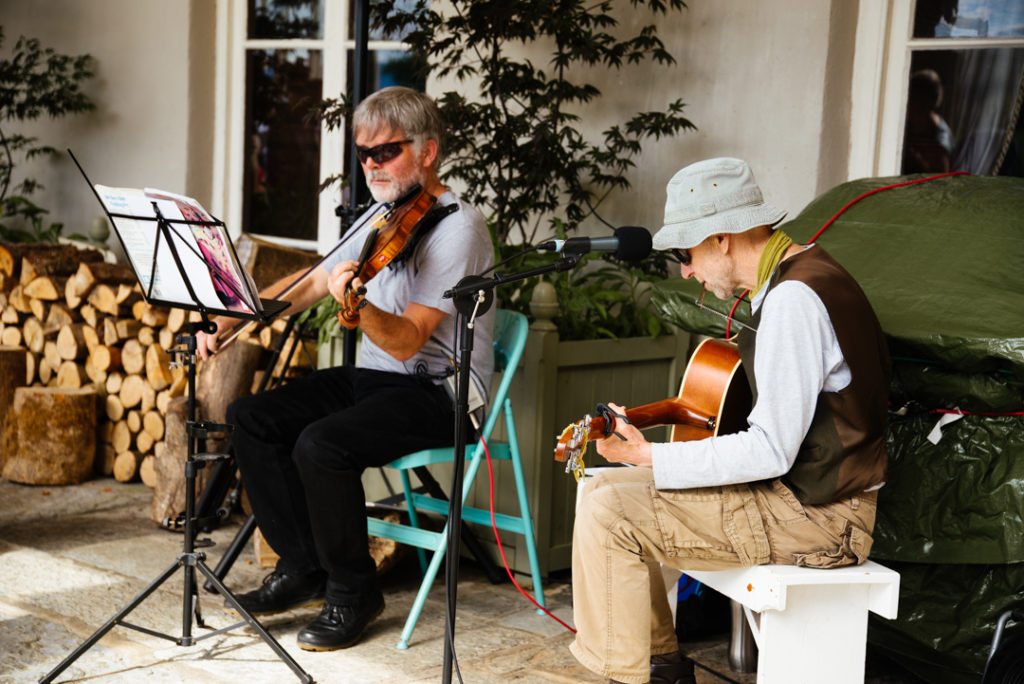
{"x": 400, "y": 108}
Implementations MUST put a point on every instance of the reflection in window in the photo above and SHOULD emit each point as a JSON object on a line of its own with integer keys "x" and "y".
{"x": 282, "y": 142}
{"x": 963, "y": 112}
{"x": 377, "y": 33}
{"x": 285, "y": 19}
{"x": 968, "y": 18}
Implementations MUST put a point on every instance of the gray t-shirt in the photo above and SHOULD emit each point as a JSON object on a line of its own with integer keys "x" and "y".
{"x": 456, "y": 247}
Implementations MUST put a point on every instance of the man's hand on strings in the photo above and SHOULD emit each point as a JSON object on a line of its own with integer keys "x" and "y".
{"x": 631, "y": 448}
{"x": 339, "y": 279}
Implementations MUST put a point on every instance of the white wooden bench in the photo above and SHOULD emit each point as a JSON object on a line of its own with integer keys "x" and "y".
{"x": 812, "y": 624}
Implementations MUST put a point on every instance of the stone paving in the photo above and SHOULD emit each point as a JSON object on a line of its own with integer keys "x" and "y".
{"x": 72, "y": 557}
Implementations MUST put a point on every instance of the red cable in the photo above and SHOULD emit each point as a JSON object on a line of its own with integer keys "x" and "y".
{"x": 494, "y": 524}
{"x": 958, "y": 412}
{"x": 832, "y": 220}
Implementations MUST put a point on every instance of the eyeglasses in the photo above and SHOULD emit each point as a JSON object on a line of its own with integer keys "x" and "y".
{"x": 681, "y": 255}
{"x": 382, "y": 153}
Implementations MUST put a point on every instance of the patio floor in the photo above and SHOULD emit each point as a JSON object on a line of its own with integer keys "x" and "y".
{"x": 72, "y": 557}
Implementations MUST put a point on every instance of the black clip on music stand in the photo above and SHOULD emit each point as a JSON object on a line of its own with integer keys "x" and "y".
{"x": 189, "y": 559}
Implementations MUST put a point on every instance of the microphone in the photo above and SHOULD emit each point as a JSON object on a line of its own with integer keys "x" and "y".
{"x": 630, "y": 243}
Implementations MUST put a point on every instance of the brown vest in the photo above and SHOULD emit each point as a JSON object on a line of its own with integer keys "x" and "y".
{"x": 843, "y": 452}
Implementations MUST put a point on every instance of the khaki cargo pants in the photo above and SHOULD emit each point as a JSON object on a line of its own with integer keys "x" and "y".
{"x": 625, "y": 528}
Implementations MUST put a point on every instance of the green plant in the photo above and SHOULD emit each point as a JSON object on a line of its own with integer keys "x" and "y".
{"x": 517, "y": 153}
{"x": 33, "y": 82}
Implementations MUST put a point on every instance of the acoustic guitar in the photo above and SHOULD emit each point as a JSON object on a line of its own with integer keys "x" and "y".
{"x": 714, "y": 399}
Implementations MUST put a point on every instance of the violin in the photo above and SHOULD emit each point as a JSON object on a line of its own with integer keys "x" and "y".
{"x": 392, "y": 238}
{"x": 393, "y": 235}
{"x": 714, "y": 399}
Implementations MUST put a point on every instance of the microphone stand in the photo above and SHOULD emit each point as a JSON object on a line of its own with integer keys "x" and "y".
{"x": 473, "y": 297}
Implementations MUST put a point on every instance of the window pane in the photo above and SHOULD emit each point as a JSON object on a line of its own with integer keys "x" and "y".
{"x": 285, "y": 19}
{"x": 968, "y": 18}
{"x": 282, "y": 142}
{"x": 962, "y": 112}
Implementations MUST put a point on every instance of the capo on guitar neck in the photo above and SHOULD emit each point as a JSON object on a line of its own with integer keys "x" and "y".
{"x": 608, "y": 415}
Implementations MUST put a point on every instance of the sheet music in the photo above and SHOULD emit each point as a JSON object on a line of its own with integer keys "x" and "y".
{"x": 218, "y": 280}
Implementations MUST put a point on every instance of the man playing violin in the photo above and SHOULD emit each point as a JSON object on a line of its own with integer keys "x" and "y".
{"x": 798, "y": 486}
{"x": 302, "y": 448}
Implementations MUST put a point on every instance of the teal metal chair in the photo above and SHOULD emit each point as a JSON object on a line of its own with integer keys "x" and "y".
{"x": 510, "y": 329}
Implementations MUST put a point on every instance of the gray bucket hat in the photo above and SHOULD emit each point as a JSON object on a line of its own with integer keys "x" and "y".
{"x": 711, "y": 197}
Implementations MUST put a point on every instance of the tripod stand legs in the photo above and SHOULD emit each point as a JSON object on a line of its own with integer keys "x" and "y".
{"x": 189, "y": 562}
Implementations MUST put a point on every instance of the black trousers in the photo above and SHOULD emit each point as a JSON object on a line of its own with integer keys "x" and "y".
{"x": 302, "y": 449}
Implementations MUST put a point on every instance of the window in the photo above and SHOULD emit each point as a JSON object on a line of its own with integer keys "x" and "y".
{"x": 279, "y": 59}
{"x": 940, "y": 88}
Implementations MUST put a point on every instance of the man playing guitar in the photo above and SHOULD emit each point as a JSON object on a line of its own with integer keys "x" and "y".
{"x": 797, "y": 486}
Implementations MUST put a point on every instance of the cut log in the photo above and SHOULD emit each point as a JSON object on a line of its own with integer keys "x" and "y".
{"x": 39, "y": 308}
{"x": 32, "y": 331}
{"x": 114, "y": 381}
{"x": 133, "y": 357}
{"x": 133, "y": 419}
{"x": 225, "y": 377}
{"x": 131, "y": 390}
{"x": 71, "y": 296}
{"x": 11, "y": 337}
{"x": 56, "y": 436}
{"x": 71, "y": 342}
{"x": 104, "y": 298}
{"x": 71, "y": 375}
{"x": 158, "y": 370}
{"x": 147, "y": 336}
{"x": 148, "y": 400}
{"x": 12, "y": 255}
{"x": 16, "y": 298}
{"x": 126, "y": 466}
{"x": 47, "y": 372}
{"x": 51, "y": 354}
{"x": 153, "y": 424}
{"x": 12, "y": 375}
{"x": 121, "y": 437}
{"x": 175, "y": 320}
{"x": 147, "y": 471}
{"x": 91, "y": 337}
{"x": 31, "y": 363}
{"x": 165, "y": 338}
{"x": 106, "y": 358}
{"x": 10, "y": 316}
{"x": 147, "y": 314}
{"x": 128, "y": 327}
{"x": 107, "y": 331}
{"x": 47, "y": 288}
{"x": 144, "y": 442}
{"x": 113, "y": 407}
{"x": 90, "y": 315}
{"x": 57, "y": 316}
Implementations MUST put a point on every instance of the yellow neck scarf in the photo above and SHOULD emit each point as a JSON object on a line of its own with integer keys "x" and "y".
{"x": 772, "y": 254}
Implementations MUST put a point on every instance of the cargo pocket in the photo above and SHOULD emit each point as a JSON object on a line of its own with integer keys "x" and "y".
{"x": 853, "y": 549}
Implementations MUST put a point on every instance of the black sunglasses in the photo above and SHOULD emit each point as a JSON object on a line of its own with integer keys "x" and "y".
{"x": 681, "y": 255}
{"x": 382, "y": 153}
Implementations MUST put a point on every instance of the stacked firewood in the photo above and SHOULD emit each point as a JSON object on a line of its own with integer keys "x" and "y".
{"x": 85, "y": 326}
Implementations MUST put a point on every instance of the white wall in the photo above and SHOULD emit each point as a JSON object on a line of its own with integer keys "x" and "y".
{"x": 138, "y": 135}
{"x": 764, "y": 81}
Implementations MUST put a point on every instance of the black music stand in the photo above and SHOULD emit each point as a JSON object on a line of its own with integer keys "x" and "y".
{"x": 184, "y": 355}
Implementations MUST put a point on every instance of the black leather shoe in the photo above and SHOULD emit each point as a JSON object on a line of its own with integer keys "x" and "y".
{"x": 672, "y": 668}
{"x": 339, "y": 625}
{"x": 281, "y": 592}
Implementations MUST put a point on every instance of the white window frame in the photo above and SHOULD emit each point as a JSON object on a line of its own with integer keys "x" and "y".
{"x": 229, "y": 114}
{"x": 881, "y": 71}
